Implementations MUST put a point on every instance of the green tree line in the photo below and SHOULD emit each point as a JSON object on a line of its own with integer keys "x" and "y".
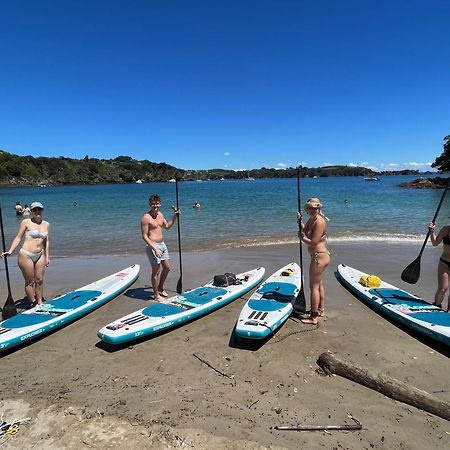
{"x": 27, "y": 170}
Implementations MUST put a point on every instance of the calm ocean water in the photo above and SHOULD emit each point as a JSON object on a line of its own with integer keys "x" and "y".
{"x": 233, "y": 213}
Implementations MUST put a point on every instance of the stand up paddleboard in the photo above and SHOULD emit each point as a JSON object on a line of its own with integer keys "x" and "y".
{"x": 270, "y": 305}
{"x": 62, "y": 310}
{"x": 410, "y": 310}
{"x": 181, "y": 308}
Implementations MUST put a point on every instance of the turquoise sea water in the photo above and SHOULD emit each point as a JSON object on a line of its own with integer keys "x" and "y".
{"x": 233, "y": 213}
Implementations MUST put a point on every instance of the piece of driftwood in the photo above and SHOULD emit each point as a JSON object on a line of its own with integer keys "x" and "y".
{"x": 346, "y": 427}
{"x": 386, "y": 385}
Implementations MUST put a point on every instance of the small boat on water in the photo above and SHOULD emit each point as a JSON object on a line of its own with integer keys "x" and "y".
{"x": 139, "y": 181}
{"x": 172, "y": 180}
{"x": 249, "y": 178}
{"x": 371, "y": 179}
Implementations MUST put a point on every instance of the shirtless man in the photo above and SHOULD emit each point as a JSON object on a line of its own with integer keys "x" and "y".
{"x": 152, "y": 223}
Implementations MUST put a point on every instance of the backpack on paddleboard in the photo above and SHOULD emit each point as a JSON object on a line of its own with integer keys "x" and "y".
{"x": 227, "y": 279}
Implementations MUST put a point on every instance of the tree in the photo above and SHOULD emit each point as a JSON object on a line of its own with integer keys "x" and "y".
{"x": 443, "y": 162}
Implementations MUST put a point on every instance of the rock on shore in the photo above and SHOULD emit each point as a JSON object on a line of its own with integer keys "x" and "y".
{"x": 426, "y": 183}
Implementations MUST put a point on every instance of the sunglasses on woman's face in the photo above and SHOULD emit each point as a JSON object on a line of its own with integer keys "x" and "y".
{"x": 36, "y": 209}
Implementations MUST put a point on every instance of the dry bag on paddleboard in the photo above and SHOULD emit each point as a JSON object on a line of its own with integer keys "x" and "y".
{"x": 371, "y": 281}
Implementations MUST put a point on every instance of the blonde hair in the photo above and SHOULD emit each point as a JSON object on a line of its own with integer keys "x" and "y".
{"x": 314, "y": 203}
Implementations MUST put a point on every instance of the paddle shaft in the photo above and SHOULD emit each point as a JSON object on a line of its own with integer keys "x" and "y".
{"x": 300, "y": 301}
{"x": 180, "y": 280}
{"x": 435, "y": 216}
{"x": 412, "y": 272}
{"x": 299, "y": 206}
{"x": 4, "y": 250}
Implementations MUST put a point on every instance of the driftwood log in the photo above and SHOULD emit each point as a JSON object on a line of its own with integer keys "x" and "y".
{"x": 386, "y": 385}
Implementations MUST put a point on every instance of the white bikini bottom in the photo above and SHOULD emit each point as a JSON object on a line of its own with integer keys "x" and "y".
{"x": 33, "y": 256}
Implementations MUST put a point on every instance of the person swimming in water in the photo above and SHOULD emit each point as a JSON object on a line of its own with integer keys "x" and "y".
{"x": 34, "y": 256}
{"x": 19, "y": 209}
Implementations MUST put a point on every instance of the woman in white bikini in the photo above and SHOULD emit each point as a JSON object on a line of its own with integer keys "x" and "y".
{"x": 34, "y": 255}
{"x": 314, "y": 235}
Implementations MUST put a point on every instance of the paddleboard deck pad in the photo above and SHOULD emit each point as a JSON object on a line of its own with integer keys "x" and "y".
{"x": 406, "y": 308}
{"x": 64, "y": 309}
{"x": 271, "y": 304}
{"x": 179, "y": 309}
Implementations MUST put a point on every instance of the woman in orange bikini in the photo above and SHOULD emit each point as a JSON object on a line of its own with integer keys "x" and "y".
{"x": 444, "y": 263}
{"x": 34, "y": 255}
{"x": 314, "y": 235}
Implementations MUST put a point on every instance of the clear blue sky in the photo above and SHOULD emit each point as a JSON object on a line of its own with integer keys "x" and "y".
{"x": 236, "y": 84}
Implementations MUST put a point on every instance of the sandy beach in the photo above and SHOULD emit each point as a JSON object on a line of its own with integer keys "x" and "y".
{"x": 81, "y": 393}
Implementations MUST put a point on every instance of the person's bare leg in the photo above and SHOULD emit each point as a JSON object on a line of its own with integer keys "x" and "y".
{"x": 316, "y": 272}
{"x": 322, "y": 298}
{"x": 442, "y": 284}
{"x": 155, "y": 281}
{"x": 39, "y": 269}
{"x": 162, "y": 279}
{"x": 26, "y": 266}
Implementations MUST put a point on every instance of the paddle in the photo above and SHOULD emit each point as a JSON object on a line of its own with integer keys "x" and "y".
{"x": 180, "y": 280}
{"x": 300, "y": 302}
{"x": 412, "y": 273}
{"x": 9, "y": 309}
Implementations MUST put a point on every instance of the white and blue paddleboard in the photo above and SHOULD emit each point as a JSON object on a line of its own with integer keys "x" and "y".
{"x": 271, "y": 304}
{"x": 64, "y": 309}
{"x": 181, "y": 308}
{"x": 410, "y": 310}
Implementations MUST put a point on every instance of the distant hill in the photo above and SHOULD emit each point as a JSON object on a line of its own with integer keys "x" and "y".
{"x": 26, "y": 170}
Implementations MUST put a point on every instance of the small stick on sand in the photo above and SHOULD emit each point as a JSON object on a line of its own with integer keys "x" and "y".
{"x": 346, "y": 427}
{"x": 231, "y": 377}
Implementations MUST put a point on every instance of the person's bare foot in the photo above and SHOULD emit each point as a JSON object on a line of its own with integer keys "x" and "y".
{"x": 311, "y": 320}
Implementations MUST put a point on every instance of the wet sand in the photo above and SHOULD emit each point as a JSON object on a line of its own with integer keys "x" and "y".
{"x": 81, "y": 393}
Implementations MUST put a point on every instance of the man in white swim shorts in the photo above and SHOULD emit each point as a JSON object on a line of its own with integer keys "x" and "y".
{"x": 152, "y": 224}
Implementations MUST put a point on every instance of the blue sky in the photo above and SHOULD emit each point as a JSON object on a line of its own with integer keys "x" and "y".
{"x": 235, "y": 84}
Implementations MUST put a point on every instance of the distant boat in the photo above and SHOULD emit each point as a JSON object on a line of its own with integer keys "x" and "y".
{"x": 139, "y": 182}
{"x": 200, "y": 181}
{"x": 222, "y": 179}
{"x": 172, "y": 180}
{"x": 249, "y": 178}
{"x": 371, "y": 179}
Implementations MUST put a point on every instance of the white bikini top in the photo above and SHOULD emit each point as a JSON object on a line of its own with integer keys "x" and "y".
{"x": 36, "y": 234}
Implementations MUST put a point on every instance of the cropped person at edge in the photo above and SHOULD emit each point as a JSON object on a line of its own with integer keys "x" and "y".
{"x": 444, "y": 263}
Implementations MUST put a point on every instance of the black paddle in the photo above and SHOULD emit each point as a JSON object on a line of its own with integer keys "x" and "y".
{"x": 180, "y": 280}
{"x": 412, "y": 273}
{"x": 9, "y": 309}
{"x": 300, "y": 302}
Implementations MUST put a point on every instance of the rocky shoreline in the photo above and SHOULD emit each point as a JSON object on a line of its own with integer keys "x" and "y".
{"x": 426, "y": 183}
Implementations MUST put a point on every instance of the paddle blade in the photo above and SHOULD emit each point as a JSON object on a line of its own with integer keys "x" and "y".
{"x": 412, "y": 273}
{"x": 300, "y": 302}
{"x": 179, "y": 286}
{"x": 9, "y": 310}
